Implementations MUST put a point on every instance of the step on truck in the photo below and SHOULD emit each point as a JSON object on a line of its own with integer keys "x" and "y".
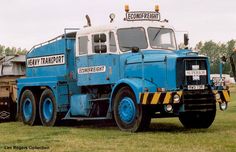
{"x": 128, "y": 72}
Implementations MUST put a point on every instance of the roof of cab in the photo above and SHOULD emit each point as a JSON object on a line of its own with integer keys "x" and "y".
{"x": 113, "y": 26}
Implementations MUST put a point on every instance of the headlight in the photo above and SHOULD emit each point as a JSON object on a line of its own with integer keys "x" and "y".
{"x": 169, "y": 108}
{"x": 176, "y": 98}
{"x": 223, "y": 106}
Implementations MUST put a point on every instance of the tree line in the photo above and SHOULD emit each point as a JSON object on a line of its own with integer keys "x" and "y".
{"x": 215, "y": 51}
{"x": 8, "y": 51}
{"x": 209, "y": 48}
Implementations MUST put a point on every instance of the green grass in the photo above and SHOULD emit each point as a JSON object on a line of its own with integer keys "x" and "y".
{"x": 165, "y": 135}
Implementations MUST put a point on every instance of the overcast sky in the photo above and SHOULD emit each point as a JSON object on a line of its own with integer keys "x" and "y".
{"x": 24, "y": 23}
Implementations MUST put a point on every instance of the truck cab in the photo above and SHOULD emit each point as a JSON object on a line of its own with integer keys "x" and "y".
{"x": 129, "y": 72}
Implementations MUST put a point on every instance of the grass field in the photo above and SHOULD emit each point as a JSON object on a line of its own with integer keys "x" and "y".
{"x": 165, "y": 135}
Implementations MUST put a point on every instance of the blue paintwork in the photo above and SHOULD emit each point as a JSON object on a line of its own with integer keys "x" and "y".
{"x": 58, "y": 85}
{"x": 61, "y": 79}
{"x": 136, "y": 85}
{"x": 80, "y": 105}
{"x": 156, "y": 70}
{"x": 159, "y": 70}
{"x": 110, "y": 76}
{"x": 54, "y": 48}
{"x": 27, "y": 109}
{"x": 47, "y": 109}
{"x": 127, "y": 110}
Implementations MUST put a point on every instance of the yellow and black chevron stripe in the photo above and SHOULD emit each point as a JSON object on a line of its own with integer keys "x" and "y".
{"x": 224, "y": 95}
{"x": 149, "y": 98}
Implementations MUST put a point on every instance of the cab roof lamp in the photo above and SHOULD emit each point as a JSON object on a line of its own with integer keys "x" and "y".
{"x": 126, "y": 8}
{"x": 157, "y": 8}
{"x": 112, "y": 17}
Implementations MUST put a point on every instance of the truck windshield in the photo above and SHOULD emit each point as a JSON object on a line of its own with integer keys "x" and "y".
{"x": 132, "y": 37}
{"x": 161, "y": 38}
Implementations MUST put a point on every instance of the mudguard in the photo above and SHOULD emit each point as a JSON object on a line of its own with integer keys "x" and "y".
{"x": 136, "y": 85}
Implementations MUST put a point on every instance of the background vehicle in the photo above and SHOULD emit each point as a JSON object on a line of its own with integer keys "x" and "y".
{"x": 11, "y": 68}
{"x": 131, "y": 72}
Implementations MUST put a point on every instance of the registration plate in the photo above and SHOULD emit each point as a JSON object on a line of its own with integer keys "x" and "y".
{"x": 195, "y": 72}
{"x": 196, "y": 87}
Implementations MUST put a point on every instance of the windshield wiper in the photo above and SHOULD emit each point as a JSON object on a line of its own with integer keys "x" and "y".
{"x": 156, "y": 34}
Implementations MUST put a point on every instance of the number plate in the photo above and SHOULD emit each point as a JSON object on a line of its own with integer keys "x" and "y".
{"x": 195, "y": 72}
{"x": 196, "y": 87}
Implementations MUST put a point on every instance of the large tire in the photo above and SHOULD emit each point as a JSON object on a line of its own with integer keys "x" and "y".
{"x": 129, "y": 115}
{"x": 197, "y": 119}
{"x": 29, "y": 108}
{"x": 48, "y": 108}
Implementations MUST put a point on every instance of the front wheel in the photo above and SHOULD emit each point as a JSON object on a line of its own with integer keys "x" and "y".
{"x": 47, "y": 108}
{"x": 197, "y": 119}
{"x": 129, "y": 115}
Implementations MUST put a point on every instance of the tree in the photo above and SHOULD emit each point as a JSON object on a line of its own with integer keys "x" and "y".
{"x": 11, "y": 51}
{"x": 215, "y": 51}
{"x": 1, "y": 50}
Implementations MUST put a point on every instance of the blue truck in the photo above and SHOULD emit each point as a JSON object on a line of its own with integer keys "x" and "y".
{"x": 128, "y": 72}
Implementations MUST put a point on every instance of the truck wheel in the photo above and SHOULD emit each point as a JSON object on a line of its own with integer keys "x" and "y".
{"x": 28, "y": 106}
{"x": 129, "y": 115}
{"x": 197, "y": 119}
{"x": 47, "y": 108}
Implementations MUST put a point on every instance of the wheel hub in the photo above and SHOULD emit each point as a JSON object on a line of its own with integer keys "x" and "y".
{"x": 47, "y": 109}
{"x": 127, "y": 110}
{"x": 27, "y": 109}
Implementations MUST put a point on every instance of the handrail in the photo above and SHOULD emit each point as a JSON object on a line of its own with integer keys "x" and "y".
{"x": 46, "y": 42}
{"x": 53, "y": 40}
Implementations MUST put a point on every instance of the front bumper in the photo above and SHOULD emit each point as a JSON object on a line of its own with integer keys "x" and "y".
{"x": 197, "y": 100}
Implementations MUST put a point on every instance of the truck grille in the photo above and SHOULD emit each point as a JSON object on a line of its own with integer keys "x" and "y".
{"x": 183, "y": 64}
{"x": 197, "y": 99}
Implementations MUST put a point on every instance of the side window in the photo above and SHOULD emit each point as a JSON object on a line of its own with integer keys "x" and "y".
{"x": 83, "y": 45}
{"x": 99, "y": 43}
{"x": 112, "y": 42}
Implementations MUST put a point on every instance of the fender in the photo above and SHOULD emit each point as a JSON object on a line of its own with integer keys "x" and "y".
{"x": 135, "y": 84}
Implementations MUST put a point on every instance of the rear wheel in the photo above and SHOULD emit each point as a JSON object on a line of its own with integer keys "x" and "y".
{"x": 47, "y": 108}
{"x": 129, "y": 115}
{"x": 197, "y": 119}
{"x": 28, "y": 107}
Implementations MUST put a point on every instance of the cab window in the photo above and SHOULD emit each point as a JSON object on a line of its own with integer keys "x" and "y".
{"x": 99, "y": 43}
{"x": 132, "y": 37}
{"x": 161, "y": 38}
{"x": 83, "y": 45}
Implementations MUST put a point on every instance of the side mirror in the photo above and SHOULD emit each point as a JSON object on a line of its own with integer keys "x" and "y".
{"x": 186, "y": 39}
{"x": 135, "y": 49}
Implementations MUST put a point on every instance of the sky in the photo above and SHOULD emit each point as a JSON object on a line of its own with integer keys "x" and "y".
{"x": 24, "y": 23}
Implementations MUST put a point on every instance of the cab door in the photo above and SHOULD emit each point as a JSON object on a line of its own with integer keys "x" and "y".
{"x": 103, "y": 61}
{"x": 97, "y": 59}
